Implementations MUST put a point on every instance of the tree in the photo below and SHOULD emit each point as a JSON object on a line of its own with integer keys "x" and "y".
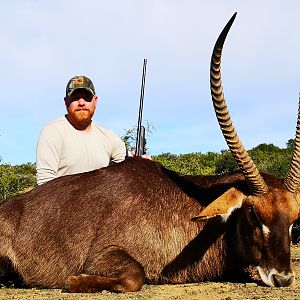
{"x": 272, "y": 159}
{"x": 129, "y": 137}
{"x": 268, "y": 158}
{"x": 189, "y": 164}
{"x": 226, "y": 163}
{"x": 290, "y": 144}
{"x": 15, "y": 180}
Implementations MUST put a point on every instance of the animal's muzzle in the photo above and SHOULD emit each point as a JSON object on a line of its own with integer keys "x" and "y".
{"x": 274, "y": 278}
{"x": 283, "y": 280}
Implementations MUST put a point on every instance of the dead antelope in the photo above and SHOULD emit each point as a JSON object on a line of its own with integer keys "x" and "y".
{"x": 119, "y": 227}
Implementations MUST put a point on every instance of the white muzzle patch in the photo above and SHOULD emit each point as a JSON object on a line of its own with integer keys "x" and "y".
{"x": 269, "y": 277}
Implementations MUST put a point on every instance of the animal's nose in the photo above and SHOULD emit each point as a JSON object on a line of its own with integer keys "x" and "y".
{"x": 283, "y": 280}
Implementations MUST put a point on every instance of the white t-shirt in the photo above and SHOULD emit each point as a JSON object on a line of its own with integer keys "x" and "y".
{"x": 63, "y": 150}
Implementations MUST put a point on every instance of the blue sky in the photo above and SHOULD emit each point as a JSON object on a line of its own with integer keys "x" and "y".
{"x": 45, "y": 43}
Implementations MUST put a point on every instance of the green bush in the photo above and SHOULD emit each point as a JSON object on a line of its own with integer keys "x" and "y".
{"x": 15, "y": 180}
{"x": 268, "y": 158}
{"x": 189, "y": 164}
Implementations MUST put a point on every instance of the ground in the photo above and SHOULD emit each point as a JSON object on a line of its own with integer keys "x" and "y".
{"x": 199, "y": 291}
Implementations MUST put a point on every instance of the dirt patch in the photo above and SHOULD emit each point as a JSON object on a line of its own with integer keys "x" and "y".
{"x": 199, "y": 291}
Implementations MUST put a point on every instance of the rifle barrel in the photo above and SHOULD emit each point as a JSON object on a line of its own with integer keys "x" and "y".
{"x": 140, "y": 140}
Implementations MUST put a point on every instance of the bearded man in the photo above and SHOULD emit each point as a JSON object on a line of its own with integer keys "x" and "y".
{"x": 74, "y": 143}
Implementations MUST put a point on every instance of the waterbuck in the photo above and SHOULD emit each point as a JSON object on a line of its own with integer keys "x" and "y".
{"x": 135, "y": 222}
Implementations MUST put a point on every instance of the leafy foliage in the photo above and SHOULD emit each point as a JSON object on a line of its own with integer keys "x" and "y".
{"x": 130, "y": 135}
{"x": 225, "y": 163}
{"x": 190, "y": 164}
{"x": 268, "y": 158}
{"x": 272, "y": 159}
{"x": 15, "y": 180}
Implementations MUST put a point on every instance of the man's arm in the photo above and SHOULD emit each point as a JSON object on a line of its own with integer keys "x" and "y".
{"x": 118, "y": 149}
{"x": 48, "y": 154}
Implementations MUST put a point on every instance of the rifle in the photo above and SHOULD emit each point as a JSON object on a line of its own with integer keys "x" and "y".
{"x": 140, "y": 134}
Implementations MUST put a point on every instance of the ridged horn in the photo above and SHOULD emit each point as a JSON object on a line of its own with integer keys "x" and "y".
{"x": 254, "y": 179}
{"x": 292, "y": 179}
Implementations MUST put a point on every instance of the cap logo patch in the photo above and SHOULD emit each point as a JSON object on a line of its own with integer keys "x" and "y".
{"x": 78, "y": 80}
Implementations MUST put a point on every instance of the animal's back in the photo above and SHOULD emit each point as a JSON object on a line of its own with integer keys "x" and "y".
{"x": 58, "y": 225}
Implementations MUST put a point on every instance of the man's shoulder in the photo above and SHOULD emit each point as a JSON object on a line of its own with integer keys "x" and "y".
{"x": 118, "y": 149}
{"x": 59, "y": 124}
{"x": 109, "y": 134}
{"x": 103, "y": 129}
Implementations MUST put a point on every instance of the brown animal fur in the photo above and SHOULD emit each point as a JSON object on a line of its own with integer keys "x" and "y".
{"x": 131, "y": 222}
{"x": 117, "y": 227}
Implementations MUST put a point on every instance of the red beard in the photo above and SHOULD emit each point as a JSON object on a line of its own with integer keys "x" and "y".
{"x": 82, "y": 115}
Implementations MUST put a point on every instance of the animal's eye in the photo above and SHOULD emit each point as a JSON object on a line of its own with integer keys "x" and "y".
{"x": 253, "y": 215}
{"x": 251, "y": 211}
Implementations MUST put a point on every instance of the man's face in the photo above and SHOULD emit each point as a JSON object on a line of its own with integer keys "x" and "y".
{"x": 81, "y": 106}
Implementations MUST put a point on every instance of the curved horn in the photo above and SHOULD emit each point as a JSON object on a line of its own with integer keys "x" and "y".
{"x": 251, "y": 173}
{"x": 292, "y": 179}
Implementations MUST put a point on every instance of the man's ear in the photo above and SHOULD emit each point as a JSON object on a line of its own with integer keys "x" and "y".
{"x": 96, "y": 99}
{"x": 66, "y": 99}
{"x": 222, "y": 206}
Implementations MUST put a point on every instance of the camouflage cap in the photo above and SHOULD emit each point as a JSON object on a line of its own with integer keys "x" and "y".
{"x": 79, "y": 82}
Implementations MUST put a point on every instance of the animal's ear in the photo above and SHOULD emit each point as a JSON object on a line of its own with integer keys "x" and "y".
{"x": 222, "y": 206}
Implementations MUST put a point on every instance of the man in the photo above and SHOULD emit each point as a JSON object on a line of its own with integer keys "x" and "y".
{"x": 74, "y": 143}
